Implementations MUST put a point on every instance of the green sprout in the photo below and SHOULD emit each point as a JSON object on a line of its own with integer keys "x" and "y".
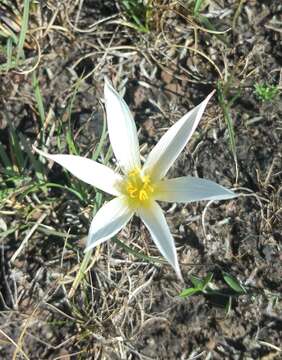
{"x": 266, "y": 92}
{"x": 206, "y": 287}
{"x": 199, "y": 285}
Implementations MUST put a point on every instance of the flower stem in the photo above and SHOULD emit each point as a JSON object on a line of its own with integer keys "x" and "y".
{"x": 81, "y": 272}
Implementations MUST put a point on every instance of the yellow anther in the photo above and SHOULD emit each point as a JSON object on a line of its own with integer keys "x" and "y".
{"x": 133, "y": 193}
{"x": 143, "y": 195}
{"x": 137, "y": 187}
{"x": 135, "y": 172}
{"x": 130, "y": 186}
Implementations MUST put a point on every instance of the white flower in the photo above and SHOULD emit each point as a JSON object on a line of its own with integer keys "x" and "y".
{"x": 138, "y": 188}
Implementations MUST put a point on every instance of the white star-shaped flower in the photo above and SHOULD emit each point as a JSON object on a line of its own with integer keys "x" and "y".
{"x": 138, "y": 188}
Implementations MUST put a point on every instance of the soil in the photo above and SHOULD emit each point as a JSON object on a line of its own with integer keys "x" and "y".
{"x": 127, "y": 308}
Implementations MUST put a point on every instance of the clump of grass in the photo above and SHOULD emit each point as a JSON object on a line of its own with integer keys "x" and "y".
{"x": 266, "y": 92}
{"x": 196, "y": 7}
{"x": 16, "y": 19}
{"x": 139, "y": 14}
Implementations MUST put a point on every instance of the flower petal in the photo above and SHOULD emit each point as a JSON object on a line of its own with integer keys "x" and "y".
{"x": 173, "y": 141}
{"x": 122, "y": 130}
{"x": 154, "y": 219}
{"x": 108, "y": 221}
{"x": 188, "y": 189}
{"x": 88, "y": 171}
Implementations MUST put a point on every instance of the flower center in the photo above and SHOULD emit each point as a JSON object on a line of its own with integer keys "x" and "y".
{"x": 137, "y": 187}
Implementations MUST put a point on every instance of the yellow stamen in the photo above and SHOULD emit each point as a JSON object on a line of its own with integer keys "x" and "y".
{"x": 137, "y": 187}
{"x": 143, "y": 195}
{"x": 132, "y": 193}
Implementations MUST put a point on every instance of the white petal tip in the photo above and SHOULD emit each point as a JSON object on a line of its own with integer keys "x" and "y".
{"x": 229, "y": 195}
{"x": 42, "y": 153}
{"x": 38, "y": 151}
{"x": 122, "y": 129}
{"x": 212, "y": 93}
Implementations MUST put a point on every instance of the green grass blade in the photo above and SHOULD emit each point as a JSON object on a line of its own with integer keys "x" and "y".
{"x": 15, "y": 149}
{"x": 46, "y": 185}
{"x": 87, "y": 257}
{"x": 109, "y": 154}
{"x": 4, "y": 157}
{"x": 226, "y": 112}
{"x": 70, "y": 142}
{"x": 69, "y": 136}
{"x": 9, "y": 51}
{"x": 38, "y": 98}
{"x": 81, "y": 272}
{"x": 197, "y": 7}
{"x": 225, "y": 106}
{"x": 24, "y": 29}
{"x": 101, "y": 142}
{"x": 10, "y": 231}
{"x": 138, "y": 254}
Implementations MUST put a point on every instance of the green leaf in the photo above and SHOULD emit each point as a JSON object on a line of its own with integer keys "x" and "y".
{"x": 233, "y": 283}
{"x": 197, "y": 282}
{"x": 189, "y": 292}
